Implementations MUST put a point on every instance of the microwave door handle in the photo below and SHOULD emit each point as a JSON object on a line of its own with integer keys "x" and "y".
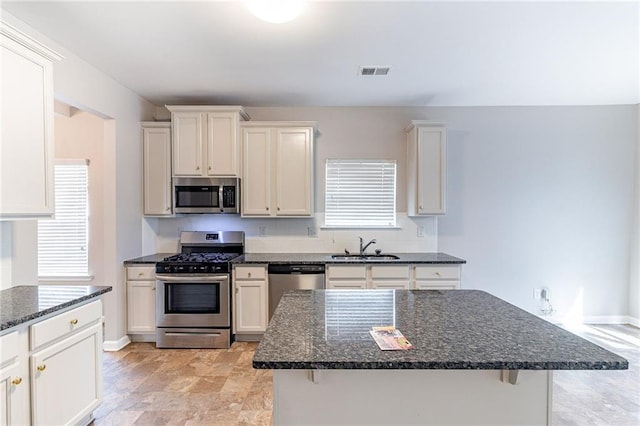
{"x": 221, "y": 198}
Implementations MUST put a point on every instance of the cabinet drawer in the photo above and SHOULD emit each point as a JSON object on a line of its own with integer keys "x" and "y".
{"x": 9, "y": 344}
{"x": 141, "y": 273}
{"x": 347, "y": 272}
{"x": 250, "y": 272}
{"x": 386, "y": 272}
{"x": 65, "y": 323}
{"x": 437, "y": 285}
{"x": 350, "y": 285}
{"x": 437, "y": 272}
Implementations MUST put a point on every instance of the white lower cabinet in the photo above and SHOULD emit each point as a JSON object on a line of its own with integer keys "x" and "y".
{"x": 346, "y": 276}
{"x": 66, "y": 378}
{"x": 251, "y": 301}
{"x": 14, "y": 379}
{"x": 436, "y": 277}
{"x": 141, "y": 302}
{"x": 368, "y": 276}
{"x": 403, "y": 277}
{"x": 51, "y": 371}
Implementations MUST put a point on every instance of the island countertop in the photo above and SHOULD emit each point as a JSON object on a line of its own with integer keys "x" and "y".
{"x": 449, "y": 329}
{"x": 21, "y": 304}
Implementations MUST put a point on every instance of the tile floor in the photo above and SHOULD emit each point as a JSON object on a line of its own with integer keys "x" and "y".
{"x": 149, "y": 386}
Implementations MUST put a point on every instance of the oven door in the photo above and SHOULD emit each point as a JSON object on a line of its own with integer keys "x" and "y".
{"x": 194, "y": 301}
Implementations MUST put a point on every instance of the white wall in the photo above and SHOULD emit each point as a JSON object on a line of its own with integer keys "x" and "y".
{"x": 80, "y": 85}
{"x": 537, "y": 196}
{"x": 543, "y": 196}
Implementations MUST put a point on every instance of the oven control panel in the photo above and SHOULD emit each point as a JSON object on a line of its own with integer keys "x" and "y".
{"x": 185, "y": 268}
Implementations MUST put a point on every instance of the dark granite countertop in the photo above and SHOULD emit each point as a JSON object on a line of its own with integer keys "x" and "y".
{"x": 24, "y": 303}
{"x": 449, "y": 329}
{"x": 325, "y": 258}
{"x": 150, "y": 259}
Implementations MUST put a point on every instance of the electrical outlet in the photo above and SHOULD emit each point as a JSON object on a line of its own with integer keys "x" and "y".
{"x": 537, "y": 293}
{"x": 262, "y": 231}
{"x": 420, "y": 231}
{"x": 311, "y": 232}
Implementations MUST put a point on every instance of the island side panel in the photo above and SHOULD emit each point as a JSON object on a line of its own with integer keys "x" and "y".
{"x": 405, "y": 397}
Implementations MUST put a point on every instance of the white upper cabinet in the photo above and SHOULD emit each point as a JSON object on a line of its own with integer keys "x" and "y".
{"x": 156, "y": 145}
{"x": 26, "y": 144}
{"x": 277, "y": 169}
{"x": 205, "y": 140}
{"x": 426, "y": 168}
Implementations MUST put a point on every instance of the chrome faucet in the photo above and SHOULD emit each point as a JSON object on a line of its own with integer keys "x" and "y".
{"x": 363, "y": 248}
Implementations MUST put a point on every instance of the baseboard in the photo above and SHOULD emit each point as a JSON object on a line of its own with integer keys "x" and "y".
{"x": 634, "y": 321}
{"x": 610, "y": 319}
{"x": 115, "y": 345}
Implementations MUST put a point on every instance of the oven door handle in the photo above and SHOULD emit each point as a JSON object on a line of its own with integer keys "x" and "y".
{"x": 192, "y": 278}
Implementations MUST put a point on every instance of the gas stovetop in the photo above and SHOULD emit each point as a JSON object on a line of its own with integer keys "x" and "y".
{"x": 204, "y": 253}
{"x": 196, "y": 263}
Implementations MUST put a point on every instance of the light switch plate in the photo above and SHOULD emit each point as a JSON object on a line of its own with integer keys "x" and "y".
{"x": 420, "y": 231}
{"x": 262, "y": 231}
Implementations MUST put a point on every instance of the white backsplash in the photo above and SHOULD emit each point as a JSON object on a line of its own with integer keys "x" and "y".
{"x": 292, "y": 235}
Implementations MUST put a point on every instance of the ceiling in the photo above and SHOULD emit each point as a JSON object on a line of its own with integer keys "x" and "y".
{"x": 440, "y": 53}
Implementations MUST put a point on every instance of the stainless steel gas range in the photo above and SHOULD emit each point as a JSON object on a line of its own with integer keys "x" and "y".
{"x": 193, "y": 291}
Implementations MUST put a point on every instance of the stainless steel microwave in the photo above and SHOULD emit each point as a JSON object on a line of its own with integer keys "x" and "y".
{"x": 206, "y": 195}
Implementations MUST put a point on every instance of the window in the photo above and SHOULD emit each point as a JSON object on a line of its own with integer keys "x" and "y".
{"x": 360, "y": 193}
{"x": 62, "y": 241}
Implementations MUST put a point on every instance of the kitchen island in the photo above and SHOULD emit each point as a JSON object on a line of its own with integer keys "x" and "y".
{"x": 476, "y": 359}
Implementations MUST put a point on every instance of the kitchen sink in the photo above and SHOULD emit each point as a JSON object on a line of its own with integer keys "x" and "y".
{"x": 364, "y": 257}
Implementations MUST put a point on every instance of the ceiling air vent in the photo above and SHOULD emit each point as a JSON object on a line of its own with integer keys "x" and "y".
{"x": 374, "y": 70}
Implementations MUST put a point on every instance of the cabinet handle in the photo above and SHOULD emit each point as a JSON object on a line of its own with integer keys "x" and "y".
{"x": 278, "y": 208}
{"x": 437, "y": 274}
{"x": 197, "y": 167}
{"x": 209, "y": 167}
{"x": 153, "y": 288}
{"x": 16, "y": 381}
{"x": 140, "y": 274}
{"x": 74, "y": 321}
{"x": 267, "y": 208}
{"x": 41, "y": 367}
{"x": 249, "y": 275}
{"x": 420, "y": 207}
{"x": 168, "y": 208}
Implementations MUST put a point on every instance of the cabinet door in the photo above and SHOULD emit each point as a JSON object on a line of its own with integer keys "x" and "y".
{"x": 347, "y": 284}
{"x": 252, "y": 313}
{"x": 256, "y": 183}
{"x": 431, "y": 171}
{"x": 26, "y": 151}
{"x": 437, "y": 285}
{"x": 141, "y": 307}
{"x": 187, "y": 143}
{"x": 391, "y": 284}
{"x": 294, "y": 172}
{"x": 157, "y": 170}
{"x": 66, "y": 378}
{"x": 14, "y": 380}
{"x": 222, "y": 144}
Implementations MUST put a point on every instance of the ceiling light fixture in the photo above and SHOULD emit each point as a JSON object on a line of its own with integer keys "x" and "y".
{"x": 275, "y": 11}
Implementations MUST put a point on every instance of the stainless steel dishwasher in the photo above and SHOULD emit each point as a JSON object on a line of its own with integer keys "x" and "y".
{"x": 292, "y": 277}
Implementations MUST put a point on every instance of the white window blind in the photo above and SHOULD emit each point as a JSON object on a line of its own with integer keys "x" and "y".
{"x": 63, "y": 240}
{"x": 360, "y": 193}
